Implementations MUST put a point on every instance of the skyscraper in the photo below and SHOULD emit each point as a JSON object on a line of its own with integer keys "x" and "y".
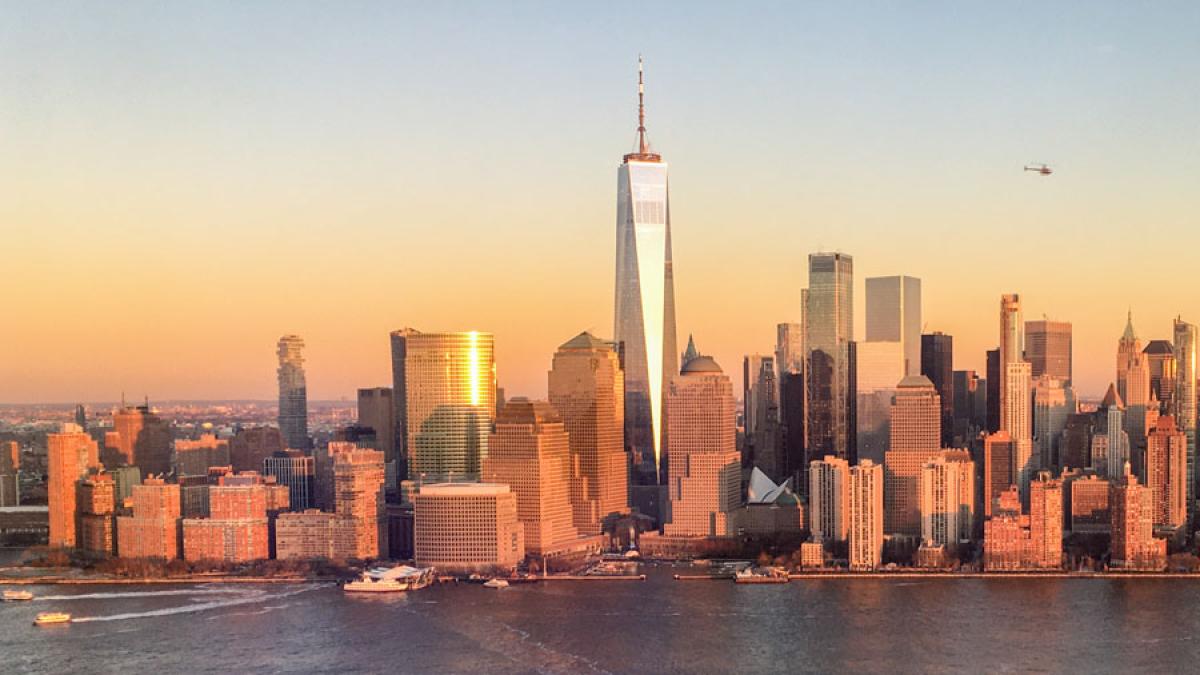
{"x": 1160, "y": 359}
{"x": 705, "y": 478}
{"x": 992, "y": 389}
{"x": 141, "y": 439}
{"x": 1015, "y": 388}
{"x": 70, "y": 454}
{"x": 377, "y": 410}
{"x": 998, "y": 463}
{"x": 1053, "y": 404}
{"x": 1046, "y": 521}
{"x": 297, "y": 471}
{"x": 1183, "y": 400}
{"x": 915, "y": 441}
{"x": 894, "y": 315}
{"x": 1048, "y": 348}
{"x": 937, "y": 364}
{"x": 530, "y": 453}
{"x": 293, "y": 393}
{"x": 760, "y": 412}
{"x": 866, "y": 515}
{"x": 829, "y": 334}
{"x": 1166, "y": 472}
{"x": 444, "y": 387}
{"x": 587, "y": 387}
{"x": 789, "y": 348}
{"x": 1133, "y": 368}
{"x": 645, "y": 296}
{"x": 1133, "y": 543}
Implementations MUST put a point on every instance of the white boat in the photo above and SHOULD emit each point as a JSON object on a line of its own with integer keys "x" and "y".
{"x": 46, "y": 618}
{"x": 495, "y": 583}
{"x": 11, "y": 596}
{"x": 390, "y": 580}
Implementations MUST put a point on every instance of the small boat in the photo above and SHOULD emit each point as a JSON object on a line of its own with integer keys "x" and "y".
{"x": 47, "y": 618}
{"x": 495, "y": 583}
{"x": 390, "y": 580}
{"x": 12, "y": 596}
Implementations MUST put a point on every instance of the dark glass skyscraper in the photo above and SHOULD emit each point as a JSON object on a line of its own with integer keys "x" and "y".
{"x": 937, "y": 363}
{"x": 993, "y": 391}
{"x": 293, "y": 393}
{"x": 829, "y": 331}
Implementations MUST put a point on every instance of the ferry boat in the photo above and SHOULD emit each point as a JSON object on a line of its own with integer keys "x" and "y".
{"x": 495, "y": 583}
{"x": 46, "y": 618}
{"x": 390, "y": 580}
{"x": 767, "y": 575}
{"x": 12, "y": 596}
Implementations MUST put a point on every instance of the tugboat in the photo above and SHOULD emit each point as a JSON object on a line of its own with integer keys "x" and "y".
{"x": 12, "y": 596}
{"x": 47, "y": 618}
{"x": 390, "y": 580}
{"x": 495, "y": 583}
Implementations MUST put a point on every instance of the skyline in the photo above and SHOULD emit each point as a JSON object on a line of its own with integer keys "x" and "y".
{"x": 161, "y": 258}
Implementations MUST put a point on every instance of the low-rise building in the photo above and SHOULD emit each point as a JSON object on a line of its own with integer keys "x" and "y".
{"x": 464, "y": 527}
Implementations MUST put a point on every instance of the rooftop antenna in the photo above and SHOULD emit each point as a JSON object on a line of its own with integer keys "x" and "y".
{"x": 641, "y": 110}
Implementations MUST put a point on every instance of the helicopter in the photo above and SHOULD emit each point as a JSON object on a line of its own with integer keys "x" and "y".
{"x": 1041, "y": 169}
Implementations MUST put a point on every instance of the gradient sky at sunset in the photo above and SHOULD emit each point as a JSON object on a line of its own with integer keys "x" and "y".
{"x": 181, "y": 184}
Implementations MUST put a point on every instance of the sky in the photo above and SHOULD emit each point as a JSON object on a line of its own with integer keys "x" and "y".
{"x": 182, "y": 183}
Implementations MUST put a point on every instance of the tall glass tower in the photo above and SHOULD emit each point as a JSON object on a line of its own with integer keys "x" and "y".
{"x": 645, "y": 299}
{"x": 828, "y": 338}
{"x": 293, "y": 393}
{"x": 1183, "y": 404}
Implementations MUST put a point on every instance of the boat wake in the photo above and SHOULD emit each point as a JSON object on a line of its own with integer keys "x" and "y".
{"x": 255, "y": 597}
{"x": 146, "y": 594}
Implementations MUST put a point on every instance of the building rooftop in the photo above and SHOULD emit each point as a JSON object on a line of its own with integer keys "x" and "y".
{"x": 1159, "y": 347}
{"x": 915, "y": 381}
{"x": 463, "y": 489}
{"x": 701, "y": 364}
{"x": 586, "y": 340}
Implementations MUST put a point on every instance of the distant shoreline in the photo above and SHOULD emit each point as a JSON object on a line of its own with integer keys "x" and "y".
{"x": 797, "y": 576}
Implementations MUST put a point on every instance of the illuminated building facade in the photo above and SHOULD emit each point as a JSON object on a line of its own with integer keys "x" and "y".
{"x": 444, "y": 389}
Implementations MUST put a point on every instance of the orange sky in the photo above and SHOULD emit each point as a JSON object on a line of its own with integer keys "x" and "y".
{"x": 175, "y": 200}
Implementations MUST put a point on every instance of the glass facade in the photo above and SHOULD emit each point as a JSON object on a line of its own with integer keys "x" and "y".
{"x": 894, "y": 315}
{"x": 645, "y": 303}
{"x": 829, "y": 331}
{"x": 445, "y": 393}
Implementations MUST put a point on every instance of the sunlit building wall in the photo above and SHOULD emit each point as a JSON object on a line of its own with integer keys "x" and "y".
{"x": 444, "y": 387}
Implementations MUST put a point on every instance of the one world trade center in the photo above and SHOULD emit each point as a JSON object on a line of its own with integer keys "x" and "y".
{"x": 645, "y": 313}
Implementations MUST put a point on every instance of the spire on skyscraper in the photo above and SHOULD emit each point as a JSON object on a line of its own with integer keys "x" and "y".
{"x": 1129, "y": 335}
{"x": 643, "y": 145}
{"x": 691, "y": 351}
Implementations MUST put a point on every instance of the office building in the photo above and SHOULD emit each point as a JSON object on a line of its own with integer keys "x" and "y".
{"x": 140, "y": 438}
{"x": 998, "y": 452}
{"x": 894, "y": 315}
{"x": 529, "y": 451}
{"x": 236, "y": 529}
{"x": 1133, "y": 368}
{"x": 377, "y": 411}
{"x": 297, "y": 471}
{"x": 915, "y": 440}
{"x": 644, "y": 316}
{"x": 587, "y": 387}
{"x": 1048, "y": 349}
{"x": 704, "y": 466}
{"x": 866, "y": 515}
{"x": 829, "y": 335}
{"x": 1053, "y": 405}
{"x": 467, "y": 527}
{"x": 444, "y": 388}
{"x": 760, "y": 412}
{"x": 937, "y": 364}
{"x": 1160, "y": 360}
